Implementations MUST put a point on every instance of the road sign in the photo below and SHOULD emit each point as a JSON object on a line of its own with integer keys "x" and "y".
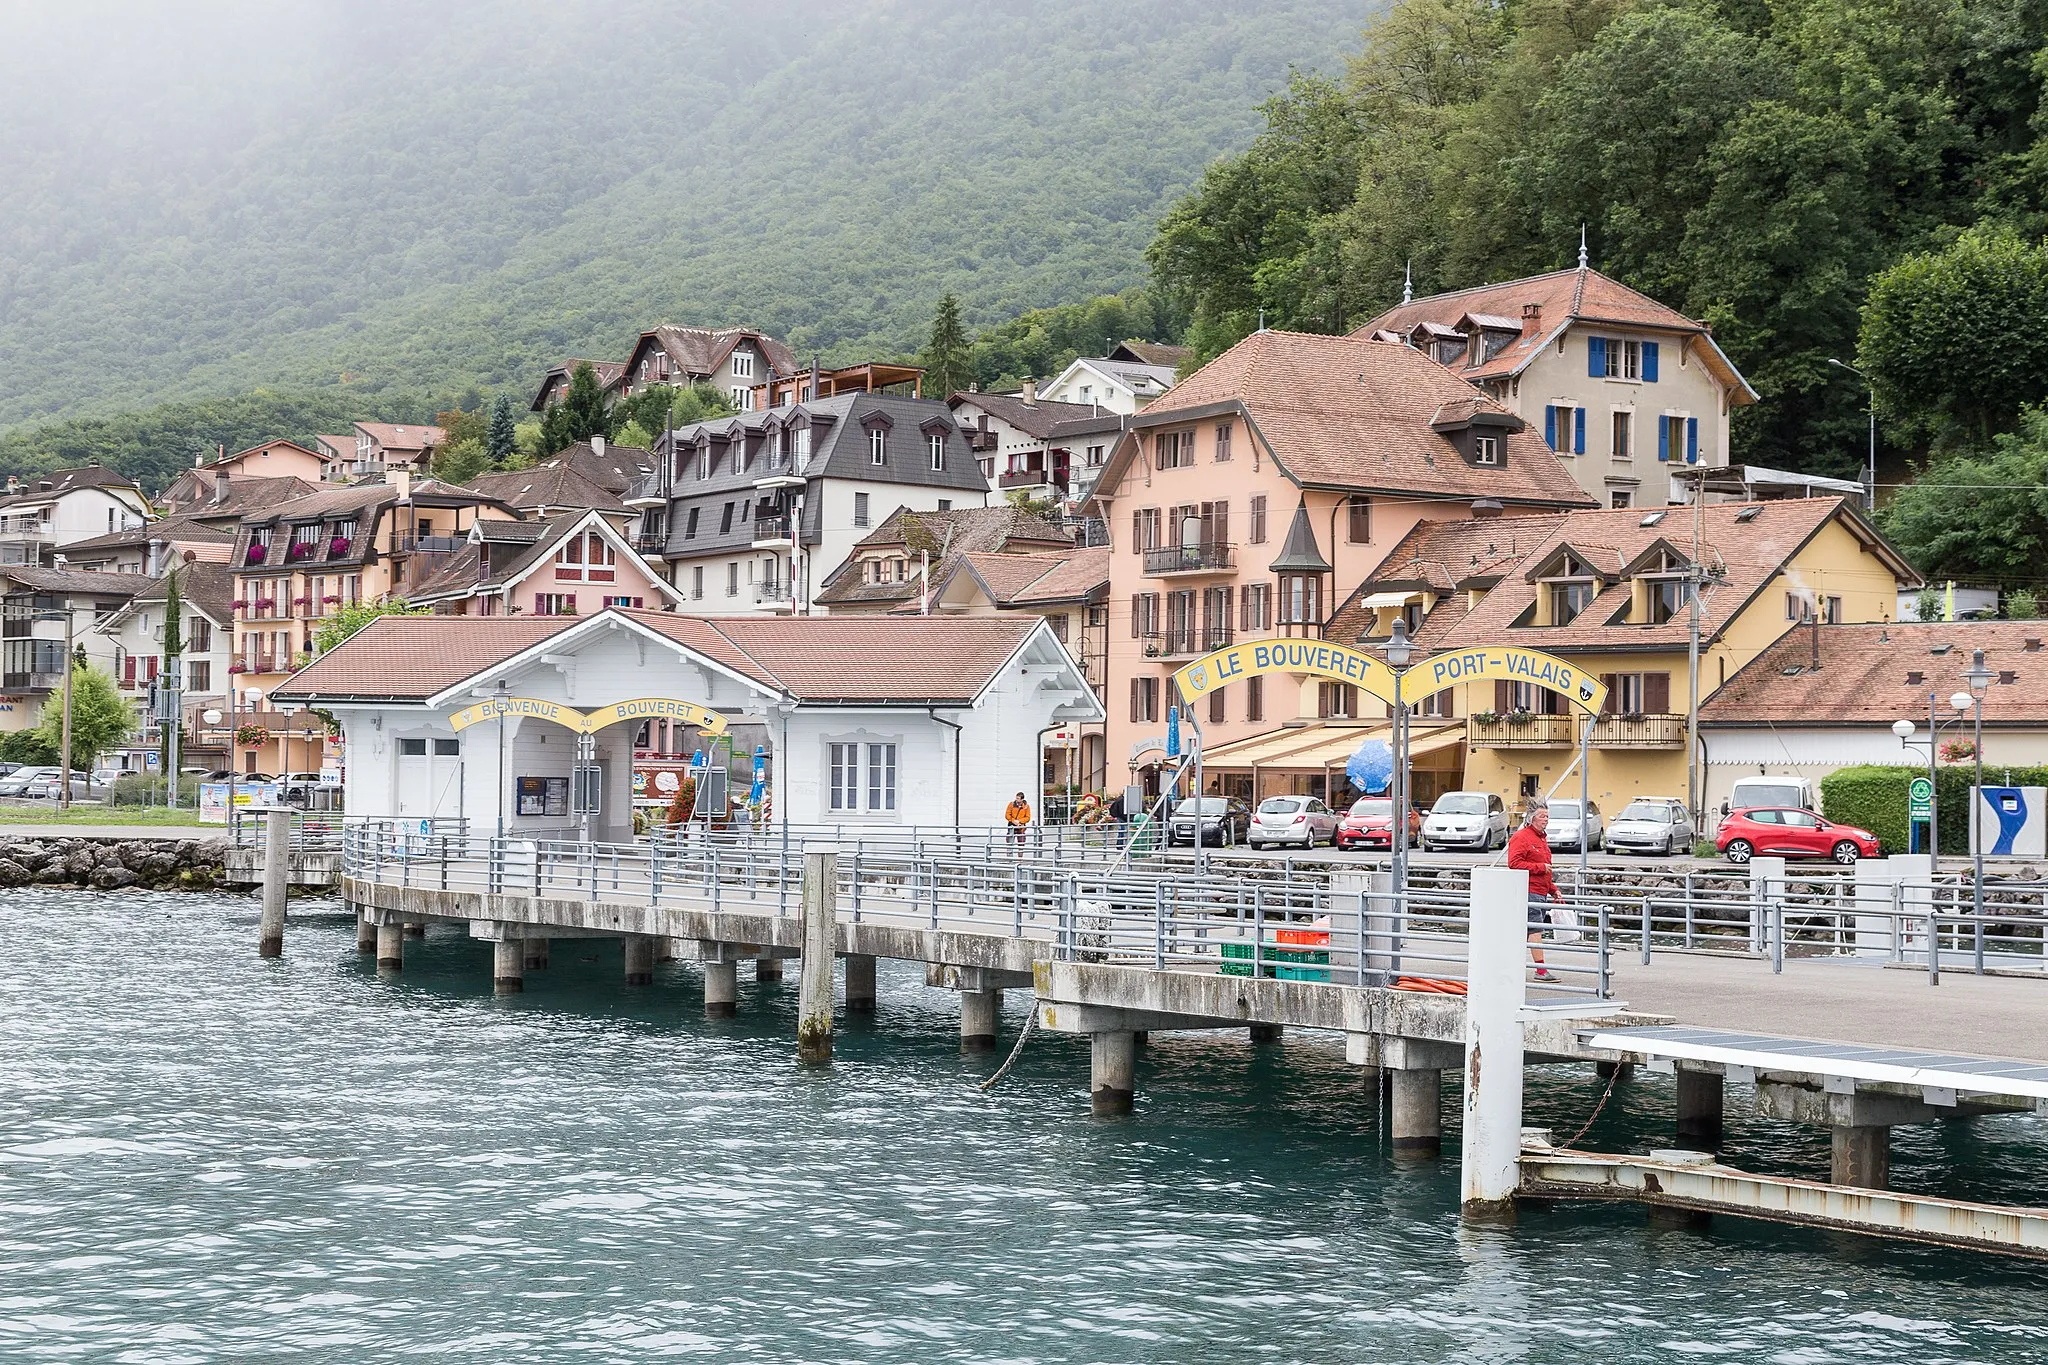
{"x": 1919, "y": 799}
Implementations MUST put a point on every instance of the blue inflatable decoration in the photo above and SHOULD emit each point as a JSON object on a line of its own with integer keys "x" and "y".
{"x": 1371, "y": 769}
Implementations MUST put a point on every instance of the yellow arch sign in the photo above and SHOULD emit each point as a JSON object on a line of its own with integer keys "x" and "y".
{"x": 590, "y": 722}
{"x": 1501, "y": 663}
{"x": 1314, "y": 657}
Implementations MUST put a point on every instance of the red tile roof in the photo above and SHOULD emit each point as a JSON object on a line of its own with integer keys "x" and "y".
{"x": 1351, "y": 413}
{"x": 1876, "y": 674}
{"x": 411, "y": 658}
{"x": 402, "y": 436}
{"x": 1442, "y": 558}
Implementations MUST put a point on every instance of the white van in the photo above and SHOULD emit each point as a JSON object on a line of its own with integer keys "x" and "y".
{"x": 1770, "y": 790}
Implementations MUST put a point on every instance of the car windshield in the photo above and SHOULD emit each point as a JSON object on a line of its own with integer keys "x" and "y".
{"x": 1461, "y": 803}
{"x": 1766, "y": 794}
{"x": 1564, "y": 810}
{"x": 1208, "y": 805}
{"x": 1372, "y": 807}
{"x": 1280, "y": 805}
{"x": 1650, "y": 812}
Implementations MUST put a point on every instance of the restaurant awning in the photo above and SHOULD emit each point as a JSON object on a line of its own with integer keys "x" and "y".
{"x": 1309, "y": 747}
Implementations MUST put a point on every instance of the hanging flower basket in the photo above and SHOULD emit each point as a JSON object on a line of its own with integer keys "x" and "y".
{"x": 338, "y": 546}
{"x": 1957, "y": 750}
{"x": 300, "y": 549}
{"x": 239, "y": 603}
{"x": 302, "y": 601}
{"x": 257, "y": 554}
{"x": 265, "y": 603}
{"x": 251, "y": 736}
{"x": 238, "y": 668}
{"x": 331, "y": 597}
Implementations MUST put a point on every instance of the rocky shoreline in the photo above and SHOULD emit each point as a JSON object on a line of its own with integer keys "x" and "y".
{"x": 111, "y": 865}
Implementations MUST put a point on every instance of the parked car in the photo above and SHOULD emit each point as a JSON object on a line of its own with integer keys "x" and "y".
{"x": 1770, "y": 790}
{"x": 1651, "y": 824}
{"x": 17, "y": 782}
{"x": 1302, "y": 820}
{"x": 1791, "y": 832}
{"x": 41, "y": 783}
{"x": 1224, "y": 820}
{"x": 9, "y": 769}
{"x": 1370, "y": 824}
{"x": 1477, "y": 820}
{"x": 1565, "y": 825}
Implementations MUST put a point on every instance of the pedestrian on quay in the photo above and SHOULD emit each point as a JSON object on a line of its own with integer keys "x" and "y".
{"x": 1017, "y": 815}
{"x": 1529, "y": 850}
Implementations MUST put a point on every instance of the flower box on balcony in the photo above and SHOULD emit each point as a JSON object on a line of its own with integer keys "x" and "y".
{"x": 302, "y": 601}
{"x": 338, "y": 546}
{"x": 300, "y": 549}
{"x": 265, "y": 603}
{"x": 257, "y": 554}
{"x": 239, "y": 603}
{"x": 238, "y": 668}
{"x": 1486, "y": 717}
{"x": 1520, "y": 717}
{"x": 331, "y": 597}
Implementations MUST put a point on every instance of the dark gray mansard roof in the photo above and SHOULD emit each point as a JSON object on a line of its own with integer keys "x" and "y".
{"x": 839, "y": 450}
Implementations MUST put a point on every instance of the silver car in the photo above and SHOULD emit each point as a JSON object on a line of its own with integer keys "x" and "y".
{"x": 1651, "y": 824}
{"x": 1302, "y": 820}
{"x": 1565, "y": 825}
{"x": 1476, "y": 820}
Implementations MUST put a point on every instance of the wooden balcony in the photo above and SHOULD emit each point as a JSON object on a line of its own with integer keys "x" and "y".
{"x": 1639, "y": 732}
{"x": 1522, "y": 732}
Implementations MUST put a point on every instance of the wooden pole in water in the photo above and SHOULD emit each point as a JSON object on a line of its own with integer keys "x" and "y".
{"x": 814, "y": 999}
{"x": 277, "y": 855}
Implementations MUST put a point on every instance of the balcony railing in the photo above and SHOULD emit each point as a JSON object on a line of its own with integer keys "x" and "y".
{"x": 429, "y": 544}
{"x": 1203, "y": 557}
{"x": 648, "y": 488}
{"x": 1026, "y": 478}
{"x": 651, "y": 542}
{"x": 773, "y": 530}
{"x": 771, "y": 590}
{"x": 1522, "y": 731}
{"x": 34, "y": 528}
{"x": 1639, "y": 732}
{"x": 1216, "y": 637}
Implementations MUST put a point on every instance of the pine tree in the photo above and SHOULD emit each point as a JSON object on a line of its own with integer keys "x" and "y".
{"x": 174, "y": 645}
{"x": 946, "y": 370}
{"x": 502, "y": 440}
{"x": 580, "y": 415}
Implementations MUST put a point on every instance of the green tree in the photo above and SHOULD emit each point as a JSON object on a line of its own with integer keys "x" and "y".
{"x": 463, "y": 424}
{"x": 349, "y": 619}
{"x": 461, "y": 461}
{"x": 633, "y": 434}
{"x": 100, "y": 717}
{"x": 1953, "y": 340}
{"x": 945, "y": 357}
{"x": 501, "y": 440}
{"x": 173, "y": 647}
{"x": 580, "y": 415}
{"x": 1979, "y": 516}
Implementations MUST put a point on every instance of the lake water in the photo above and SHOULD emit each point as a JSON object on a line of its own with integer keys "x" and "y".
{"x": 207, "y": 1157}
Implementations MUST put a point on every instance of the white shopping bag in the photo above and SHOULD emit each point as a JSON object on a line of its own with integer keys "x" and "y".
{"x": 1567, "y": 921}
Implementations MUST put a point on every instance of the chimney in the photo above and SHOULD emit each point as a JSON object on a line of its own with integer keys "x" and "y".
{"x": 220, "y": 487}
{"x": 1532, "y": 319}
{"x": 199, "y": 458}
{"x": 1030, "y": 393}
{"x": 399, "y": 477}
{"x": 597, "y": 445}
{"x": 1485, "y": 509}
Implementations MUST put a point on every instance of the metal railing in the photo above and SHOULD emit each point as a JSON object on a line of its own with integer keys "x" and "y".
{"x": 1201, "y": 557}
{"x": 1522, "y": 732}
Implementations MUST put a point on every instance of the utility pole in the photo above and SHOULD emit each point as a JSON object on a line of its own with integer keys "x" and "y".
{"x": 1695, "y": 796}
{"x": 70, "y": 669}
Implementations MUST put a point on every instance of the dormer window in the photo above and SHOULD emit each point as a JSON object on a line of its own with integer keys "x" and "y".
{"x": 1486, "y": 450}
{"x": 1666, "y": 599}
{"x": 878, "y": 445}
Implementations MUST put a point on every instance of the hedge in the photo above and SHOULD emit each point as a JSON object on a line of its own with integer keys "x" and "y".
{"x": 1874, "y": 796}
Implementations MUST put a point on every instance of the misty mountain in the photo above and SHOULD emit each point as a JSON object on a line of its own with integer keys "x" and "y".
{"x": 397, "y": 199}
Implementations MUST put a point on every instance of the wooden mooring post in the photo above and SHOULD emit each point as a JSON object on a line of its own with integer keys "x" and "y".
{"x": 821, "y": 933}
{"x": 277, "y": 864}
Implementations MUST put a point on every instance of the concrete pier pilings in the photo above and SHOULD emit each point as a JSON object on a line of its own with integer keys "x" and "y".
{"x": 978, "y": 1013}
{"x": 1112, "y": 1071}
{"x": 276, "y": 861}
{"x": 391, "y": 947}
{"x": 821, "y": 936}
{"x": 639, "y": 960}
{"x": 721, "y": 990}
{"x": 536, "y": 954}
{"x": 860, "y": 983}
{"x": 416, "y": 929}
{"x": 1416, "y": 1111}
{"x": 1861, "y": 1155}
{"x": 1700, "y": 1095}
{"x": 1489, "y": 1168}
{"x": 366, "y": 935}
{"x": 508, "y": 966}
{"x": 767, "y": 969}
{"x": 1267, "y": 1033}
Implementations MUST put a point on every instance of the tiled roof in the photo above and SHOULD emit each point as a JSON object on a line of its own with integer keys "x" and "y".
{"x": 462, "y": 573}
{"x": 1745, "y": 554}
{"x": 701, "y": 350}
{"x": 257, "y": 449}
{"x": 946, "y": 535}
{"x": 1442, "y": 558}
{"x": 248, "y": 496}
{"x": 414, "y": 657}
{"x": 1041, "y": 578}
{"x": 61, "y": 481}
{"x": 1036, "y": 418}
{"x": 403, "y": 436}
{"x": 1149, "y": 353}
{"x": 209, "y": 587}
{"x": 1344, "y": 412}
{"x": 1877, "y": 674}
{"x": 171, "y": 530}
{"x": 614, "y": 468}
{"x": 80, "y": 582}
{"x": 547, "y": 485}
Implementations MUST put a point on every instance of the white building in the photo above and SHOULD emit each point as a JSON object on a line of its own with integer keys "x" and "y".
{"x": 1110, "y": 384}
{"x": 865, "y": 721}
{"x": 42, "y": 515}
{"x": 207, "y": 635}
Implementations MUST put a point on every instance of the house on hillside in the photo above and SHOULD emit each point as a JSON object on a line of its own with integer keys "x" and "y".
{"x": 35, "y": 604}
{"x": 1607, "y": 591}
{"x": 1240, "y": 505}
{"x": 279, "y": 459}
{"x": 152, "y": 547}
{"x": 206, "y": 628}
{"x": 380, "y": 448}
{"x": 1826, "y": 697}
{"x": 570, "y": 563}
{"x": 1047, "y": 451}
{"x": 44, "y": 514}
{"x": 886, "y": 570}
{"x": 1110, "y": 385}
{"x": 760, "y": 506}
{"x": 1627, "y": 392}
{"x": 554, "y": 385}
{"x": 733, "y": 360}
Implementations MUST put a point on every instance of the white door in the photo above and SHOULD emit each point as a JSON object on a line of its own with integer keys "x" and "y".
{"x": 429, "y": 778}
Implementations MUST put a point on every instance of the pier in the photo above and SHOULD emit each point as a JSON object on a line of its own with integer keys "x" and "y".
{"x": 1817, "y": 989}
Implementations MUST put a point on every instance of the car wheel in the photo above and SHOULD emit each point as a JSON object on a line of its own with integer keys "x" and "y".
{"x": 1739, "y": 851}
{"x": 1847, "y": 853}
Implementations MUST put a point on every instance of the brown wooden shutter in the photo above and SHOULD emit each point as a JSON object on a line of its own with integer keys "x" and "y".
{"x": 1657, "y": 693}
{"x": 1137, "y": 532}
{"x": 1503, "y": 696}
{"x": 1612, "y": 682}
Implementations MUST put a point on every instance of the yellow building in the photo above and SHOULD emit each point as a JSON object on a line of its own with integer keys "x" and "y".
{"x": 1608, "y": 591}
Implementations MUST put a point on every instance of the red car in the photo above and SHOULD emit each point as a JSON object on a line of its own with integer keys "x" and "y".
{"x": 1370, "y": 824}
{"x": 1789, "y": 832}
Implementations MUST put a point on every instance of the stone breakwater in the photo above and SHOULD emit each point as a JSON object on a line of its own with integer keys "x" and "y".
{"x": 110, "y": 864}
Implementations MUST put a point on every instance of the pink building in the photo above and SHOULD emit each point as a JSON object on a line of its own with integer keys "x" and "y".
{"x": 1242, "y": 502}
{"x": 572, "y": 564}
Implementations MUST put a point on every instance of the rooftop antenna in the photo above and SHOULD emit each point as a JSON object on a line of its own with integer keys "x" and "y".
{"x": 1582, "y": 246}
{"x": 1262, "y": 319}
{"x": 1408, "y": 281}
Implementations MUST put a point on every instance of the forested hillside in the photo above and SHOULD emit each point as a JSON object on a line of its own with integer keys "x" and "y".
{"x": 397, "y": 203}
{"x": 1757, "y": 163}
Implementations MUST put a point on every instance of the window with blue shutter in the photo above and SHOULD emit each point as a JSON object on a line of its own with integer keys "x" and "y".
{"x": 1578, "y": 431}
{"x": 1649, "y": 362}
{"x": 1596, "y": 357}
{"x": 1549, "y": 429}
{"x": 1664, "y": 439}
{"x": 1692, "y": 440}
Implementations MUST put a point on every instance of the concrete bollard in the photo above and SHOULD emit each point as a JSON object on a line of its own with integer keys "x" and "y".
{"x": 1112, "y": 1072}
{"x": 767, "y": 969}
{"x": 391, "y": 947}
{"x": 366, "y": 934}
{"x": 639, "y": 960}
{"x": 1495, "y": 991}
{"x": 536, "y": 954}
{"x": 508, "y": 960}
{"x": 978, "y": 1013}
{"x": 821, "y": 941}
{"x": 1416, "y": 1111}
{"x": 1700, "y": 1096}
{"x": 860, "y": 983}
{"x": 721, "y": 990}
{"x": 277, "y": 862}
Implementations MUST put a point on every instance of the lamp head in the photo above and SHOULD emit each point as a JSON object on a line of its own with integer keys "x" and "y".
{"x": 1903, "y": 729}
{"x": 1979, "y": 677}
{"x": 1399, "y": 648}
{"x": 1962, "y": 701}
{"x": 210, "y": 716}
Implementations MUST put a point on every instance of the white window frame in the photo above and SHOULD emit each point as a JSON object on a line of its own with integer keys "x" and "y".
{"x": 1486, "y": 451}
{"x": 1624, "y": 359}
{"x": 742, "y": 363}
{"x": 863, "y": 777}
{"x": 878, "y": 445}
{"x": 935, "y": 441}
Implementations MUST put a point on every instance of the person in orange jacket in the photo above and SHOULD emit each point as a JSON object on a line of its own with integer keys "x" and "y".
{"x": 1017, "y": 815}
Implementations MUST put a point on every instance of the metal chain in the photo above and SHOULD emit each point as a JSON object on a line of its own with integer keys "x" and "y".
{"x": 1573, "y": 1141}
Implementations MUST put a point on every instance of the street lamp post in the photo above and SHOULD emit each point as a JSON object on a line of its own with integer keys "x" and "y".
{"x": 1400, "y": 651}
{"x": 504, "y": 692}
{"x": 1979, "y": 678}
{"x": 1870, "y": 469}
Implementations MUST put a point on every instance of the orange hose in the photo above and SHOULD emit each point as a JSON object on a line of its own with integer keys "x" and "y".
{"x": 1429, "y": 985}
